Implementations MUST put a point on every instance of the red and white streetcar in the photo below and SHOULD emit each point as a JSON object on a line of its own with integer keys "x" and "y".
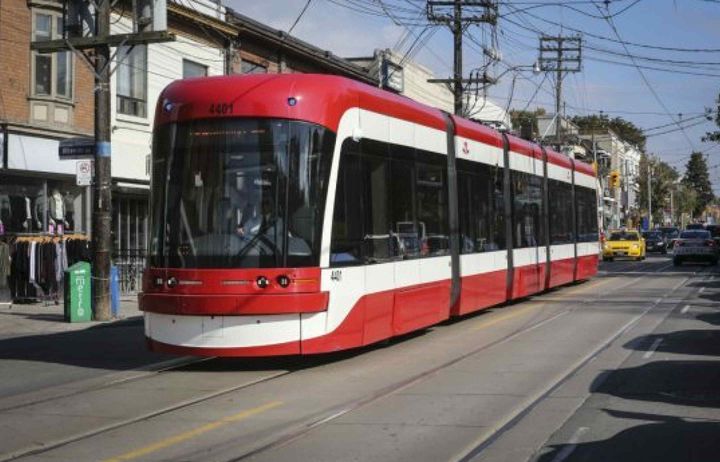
{"x": 300, "y": 214}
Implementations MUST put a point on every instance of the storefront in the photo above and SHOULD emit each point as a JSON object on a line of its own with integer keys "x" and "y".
{"x": 44, "y": 218}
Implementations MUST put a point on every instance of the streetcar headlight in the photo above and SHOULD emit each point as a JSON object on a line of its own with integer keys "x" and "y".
{"x": 283, "y": 281}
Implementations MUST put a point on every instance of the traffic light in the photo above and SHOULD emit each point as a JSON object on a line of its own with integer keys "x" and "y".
{"x": 614, "y": 179}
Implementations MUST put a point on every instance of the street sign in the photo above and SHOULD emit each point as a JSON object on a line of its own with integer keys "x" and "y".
{"x": 77, "y": 148}
{"x": 84, "y": 170}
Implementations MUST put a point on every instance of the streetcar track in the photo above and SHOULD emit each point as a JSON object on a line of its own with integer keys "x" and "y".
{"x": 311, "y": 423}
{"x": 113, "y": 426}
{"x": 338, "y": 411}
{"x": 484, "y": 442}
{"x": 103, "y": 382}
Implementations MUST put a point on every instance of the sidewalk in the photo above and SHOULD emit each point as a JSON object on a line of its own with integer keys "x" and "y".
{"x": 41, "y": 318}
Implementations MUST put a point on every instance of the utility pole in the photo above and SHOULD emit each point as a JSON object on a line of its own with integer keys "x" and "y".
{"x": 87, "y": 26}
{"x": 457, "y": 23}
{"x": 102, "y": 218}
{"x": 560, "y": 55}
{"x": 649, "y": 182}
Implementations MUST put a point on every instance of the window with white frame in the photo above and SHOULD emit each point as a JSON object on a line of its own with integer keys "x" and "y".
{"x": 193, "y": 69}
{"x": 52, "y": 72}
{"x": 132, "y": 80}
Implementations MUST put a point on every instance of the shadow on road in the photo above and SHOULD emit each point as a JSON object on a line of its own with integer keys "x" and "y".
{"x": 116, "y": 346}
{"x": 121, "y": 346}
{"x": 690, "y": 342}
{"x": 667, "y": 438}
{"x": 685, "y": 383}
{"x": 710, "y": 318}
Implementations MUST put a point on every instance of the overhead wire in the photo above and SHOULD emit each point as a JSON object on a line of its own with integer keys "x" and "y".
{"x": 610, "y": 21}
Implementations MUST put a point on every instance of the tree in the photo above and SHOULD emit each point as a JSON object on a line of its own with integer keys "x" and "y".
{"x": 624, "y": 129}
{"x": 714, "y": 136}
{"x": 662, "y": 182}
{"x": 684, "y": 202}
{"x": 697, "y": 178}
{"x": 526, "y": 123}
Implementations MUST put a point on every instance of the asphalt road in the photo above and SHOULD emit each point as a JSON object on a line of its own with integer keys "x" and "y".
{"x": 619, "y": 368}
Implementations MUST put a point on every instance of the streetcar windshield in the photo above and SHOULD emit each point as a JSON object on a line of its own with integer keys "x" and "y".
{"x": 239, "y": 193}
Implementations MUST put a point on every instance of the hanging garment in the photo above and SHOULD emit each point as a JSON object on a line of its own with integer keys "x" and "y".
{"x": 33, "y": 264}
{"x": 4, "y": 264}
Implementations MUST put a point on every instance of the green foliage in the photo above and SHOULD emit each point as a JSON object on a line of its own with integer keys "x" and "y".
{"x": 697, "y": 178}
{"x": 625, "y": 129}
{"x": 684, "y": 202}
{"x": 525, "y": 122}
{"x": 662, "y": 182}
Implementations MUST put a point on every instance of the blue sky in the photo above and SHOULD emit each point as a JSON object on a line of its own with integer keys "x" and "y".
{"x": 357, "y": 27}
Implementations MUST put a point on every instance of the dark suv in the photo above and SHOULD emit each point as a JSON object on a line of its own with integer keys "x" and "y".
{"x": 655, "y": 242}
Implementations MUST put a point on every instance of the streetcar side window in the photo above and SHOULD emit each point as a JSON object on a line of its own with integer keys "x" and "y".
{"x": 586, "y": 201}
{"x": 481, "y": 215}
{"x": 346, "y": 247}
{"x": 561, "y": 223}
{"x": 380, "y": 244}
{"x": 527, "y": 210}
{"x": 408, "y": 231}
{"x": 432, "y": 204}
{"x": 390, "y": 204}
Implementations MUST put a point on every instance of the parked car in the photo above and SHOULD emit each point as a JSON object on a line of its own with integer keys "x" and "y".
{"x": 621, "y": 243}
{"x": 695, "y": 245}
{"x": 655, "y": 242}
{"x": 692, "y": 226}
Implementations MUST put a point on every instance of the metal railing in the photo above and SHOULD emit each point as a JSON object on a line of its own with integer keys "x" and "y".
{"x": 130, "y": 264}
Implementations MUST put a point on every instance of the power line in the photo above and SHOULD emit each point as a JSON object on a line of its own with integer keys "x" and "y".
{"x": 645, "y": 80}
{"x": 609, "y": 39}
{"x": 297, "y": 20}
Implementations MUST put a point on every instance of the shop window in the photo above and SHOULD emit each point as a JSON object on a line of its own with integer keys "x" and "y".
{"x": 193, "y": 69}
{"x": 132, "y": 80}
{"x": 52, "y": 72}
{"x": 34, "y": 206}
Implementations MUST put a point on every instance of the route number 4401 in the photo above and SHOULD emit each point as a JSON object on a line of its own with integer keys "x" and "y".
{"x": 221, "y": 108}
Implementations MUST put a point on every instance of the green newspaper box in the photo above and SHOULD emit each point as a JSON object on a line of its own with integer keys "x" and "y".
{"x": 77, "y": 293}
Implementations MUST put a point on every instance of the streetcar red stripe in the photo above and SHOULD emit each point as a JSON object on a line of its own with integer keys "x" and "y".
{"x": 233, "y": 305}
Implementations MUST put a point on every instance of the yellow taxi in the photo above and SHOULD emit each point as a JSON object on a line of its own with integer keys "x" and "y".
{"x": 624, "y": 243}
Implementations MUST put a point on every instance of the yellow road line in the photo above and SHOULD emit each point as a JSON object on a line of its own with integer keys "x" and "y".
{"x": 162, "y": 444}
{"x": 516, "y": 313}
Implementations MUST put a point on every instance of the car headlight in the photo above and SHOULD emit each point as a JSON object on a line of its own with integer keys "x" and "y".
{"x": 636, "y": 246}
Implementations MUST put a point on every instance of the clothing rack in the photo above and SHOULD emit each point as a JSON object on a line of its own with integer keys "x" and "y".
{"x": 38, "y": 264}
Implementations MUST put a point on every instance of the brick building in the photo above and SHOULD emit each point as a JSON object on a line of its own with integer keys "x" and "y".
{"x": 43, "y": 99}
